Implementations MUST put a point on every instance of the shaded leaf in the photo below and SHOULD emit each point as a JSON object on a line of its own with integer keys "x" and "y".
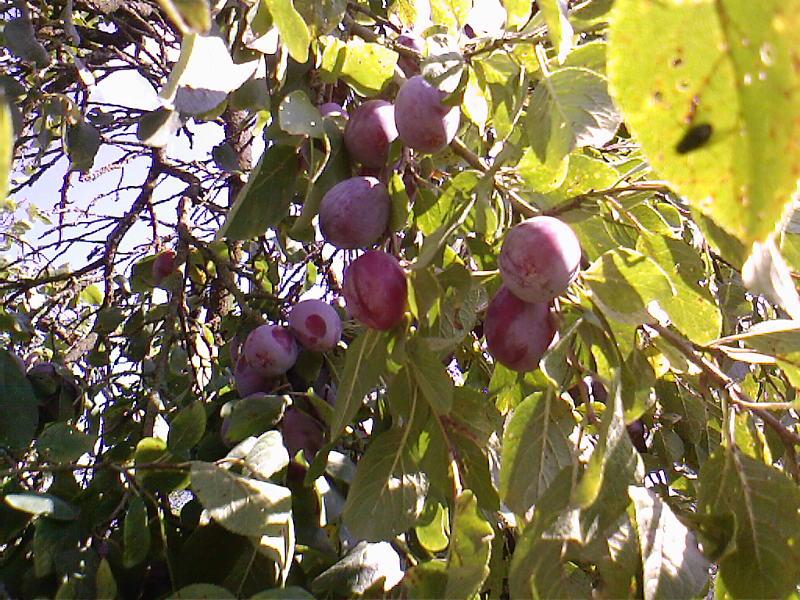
{"x": 18, "y": 404}
{"x": 298, "y": 116}
{"x": 136, "y": 533}
{"x": 388, "y": 491}
{"x": 60, "y": 442}
{"x": 673, "y": 565}
{"x": 241, "y": 505}
{"x": 187, "y": 428}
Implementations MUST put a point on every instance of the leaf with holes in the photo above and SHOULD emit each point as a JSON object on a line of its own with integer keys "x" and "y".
{"x": 711, "y": 90}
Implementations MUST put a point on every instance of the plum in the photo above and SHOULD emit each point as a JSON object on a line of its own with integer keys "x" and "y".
{"x": 540, "y": 258}
{"x": 354, "y": 213}
{"x": 248, "y": 380}
{"x": 270, "y": 350}
{"x": 375, "y": 290}
{"x": 518, "y": 333}
{"x": 332, "y": 109}
{"x": 410, "y": 66}
{"x": 316, "y": 325}
{"x": 423, "y": 121}
{"x": 301, "y": 432}
{"x": 369, "y": 132}
{"x": 164, "y": 265}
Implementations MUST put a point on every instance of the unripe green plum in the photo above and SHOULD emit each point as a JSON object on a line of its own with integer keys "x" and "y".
{"x": 423, "y": 121}
{"x": 518, "y": 333}
{"x": 270, "y": 350}
{"x": 375, "y": 290}
{"x": 369, "y": 132}
{"x": 354, "y": 213}
{"x": 316, "y": 325}
{"x": 540, "y": 258}
{"x": 164, "y": 265}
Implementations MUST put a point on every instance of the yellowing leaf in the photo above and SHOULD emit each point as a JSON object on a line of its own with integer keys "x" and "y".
{"x": 711, "y": 90}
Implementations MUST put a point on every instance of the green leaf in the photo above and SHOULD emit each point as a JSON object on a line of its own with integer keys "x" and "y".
{"x": 241, "y": 505}
{"x": 18, "y": 404}
{"x": 45, "y": 505}
{"x": 452, "y": 14}
{"x": 105, "y": 585}
{"x": 445, "y": 215}
{"x": 624, "y": 282}
{"x": 63, "y": 443}
{"x": 93, "y": 295}
{"x": 518, "y": 13}
{"x": 52, "y": 542}
{"x": 570, "y": 108}
{"x": 536, "y": 447}
{"x": 202, "y": 591}
{"x": 268, "y": 455}
{"x": 20, "y": 37}
{"x": 297, "y": 116}
{"x": 778, "y": 339}
{"x": 187, "y": 428}
{"x": 388, "y": 491}
{"x": 82, "y": 142}
{"x": 294, "y": 31}
{"x": 188, "y": 15}
{"x": 6, "y": 148}
{"x": 764, "y": 504}
{"x": 558, "y": 25}
{"x": 542, "y": 176}
{"x": 252, "y": 415}
{"x": 431, "y": 376}
{"x": 288, "y": 593}
{"x": 153, "y": 452}
{"x": 264, "y": 200}
{"x": 365, "y": 66}
{"x": 321, "y": 16}
{"x": 711, "y": 91}
{"x": 590, "y": 56}
{"x": 470, "y": 549}
{"x": 136, "y": 533}
{"x": 693, "y": 310}
{"x": 672, "y": 563}
{"x": 476, "y": 101}
{"x": 366, "y": 565}
{"x": 364, "y": 364}
{"x": 156, "y": 128}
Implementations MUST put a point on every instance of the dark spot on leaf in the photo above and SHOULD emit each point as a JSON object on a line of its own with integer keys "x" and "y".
{"x": 694, "y": 138}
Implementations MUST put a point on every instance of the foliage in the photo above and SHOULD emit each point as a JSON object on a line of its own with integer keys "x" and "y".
{"x": 651, "y": 454}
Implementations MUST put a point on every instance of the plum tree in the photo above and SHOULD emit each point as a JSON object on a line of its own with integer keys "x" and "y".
{"x": 316, "y": 325}
{"x": 354, "y": 213}
{"x": 369, "y": 132}
{"x": 270, "y": 349}
{"x": 409, "y": 66}
{"x": 164, "y": 265}
{"x": 518, "y": 333}
{"x": 424, "y": 122}
{"x": 301, "y": 432}
{"x": 249, "y": 380}
{"x": 540, "y": 258}
{"x": 375, "y": 290}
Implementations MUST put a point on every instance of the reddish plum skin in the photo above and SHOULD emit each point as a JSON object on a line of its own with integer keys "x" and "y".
{"x": 332, "y": 109}
{"x": 164, "y": 265}
{"x": 369, "y": 132}
{"x": 354, "y": 213}
{"x": 248, "y": 380}
{"x": 301, "y": 432}
{"x": 409, "y": 66}
{"x": 540, "y": 258}
{"x": 270, "y": 350}
{"x": 375, "y": 290}
{"x": 518, "y": 333}
{"x": 316, "y": 325}
{"x": 423, "y": 121}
